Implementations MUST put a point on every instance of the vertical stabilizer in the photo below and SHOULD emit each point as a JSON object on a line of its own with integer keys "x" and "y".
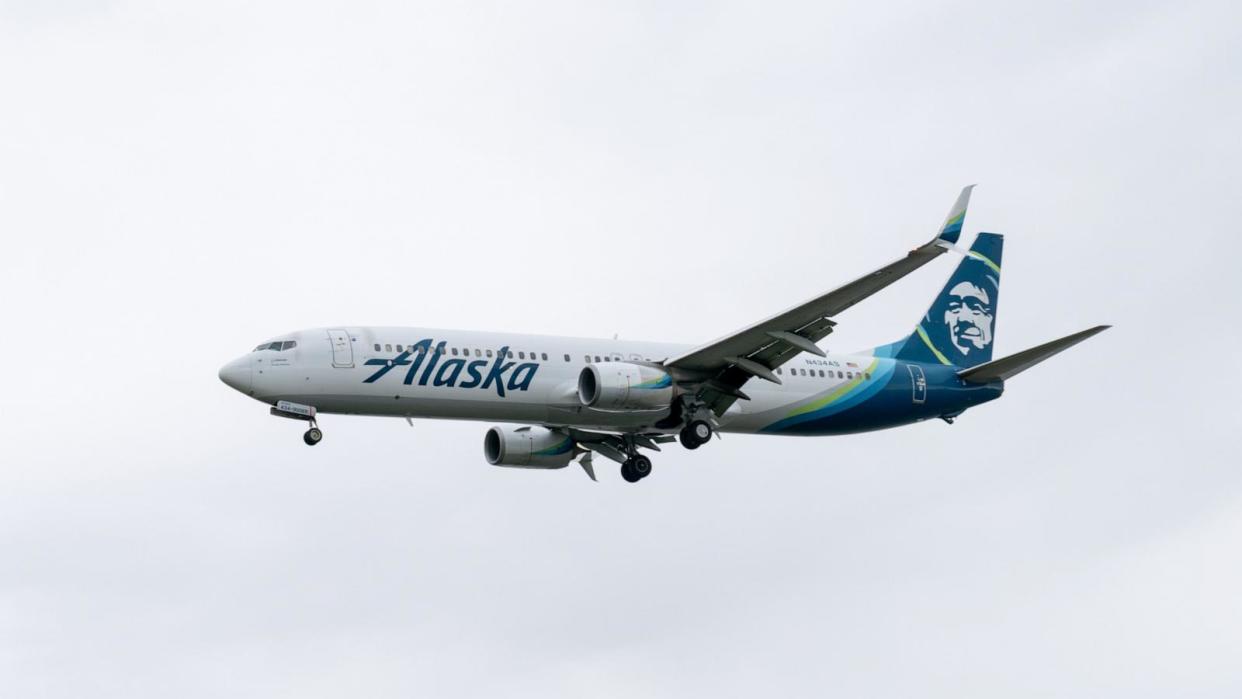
{"x": 960, "y": 327}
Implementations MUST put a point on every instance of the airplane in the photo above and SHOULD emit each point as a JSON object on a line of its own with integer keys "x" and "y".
{"x": 563, "y": 399}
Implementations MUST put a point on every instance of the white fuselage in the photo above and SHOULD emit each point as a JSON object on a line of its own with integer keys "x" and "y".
{"x": 392, "y": 371}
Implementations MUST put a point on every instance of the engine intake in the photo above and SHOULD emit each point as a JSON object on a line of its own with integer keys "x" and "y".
{"x": 624, "y": 386}
{"x": 527, "y": 447}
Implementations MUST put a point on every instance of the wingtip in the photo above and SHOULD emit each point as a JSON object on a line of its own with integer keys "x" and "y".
{"x": 951, "y": 229}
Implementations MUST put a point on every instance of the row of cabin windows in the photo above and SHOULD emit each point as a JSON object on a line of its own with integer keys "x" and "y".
{"x": 465, "y": 352}
{"x": 277, "y": 346}
{"x": 822, "y": 374}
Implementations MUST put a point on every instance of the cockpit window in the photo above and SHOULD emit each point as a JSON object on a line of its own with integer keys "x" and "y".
{"x": 277, "y": 346}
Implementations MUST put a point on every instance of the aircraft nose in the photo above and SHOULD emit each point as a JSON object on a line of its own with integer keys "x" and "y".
{"x": 236, "y": 374}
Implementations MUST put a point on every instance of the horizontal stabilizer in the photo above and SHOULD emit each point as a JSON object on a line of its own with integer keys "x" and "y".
{"x": 1002, "y": 369}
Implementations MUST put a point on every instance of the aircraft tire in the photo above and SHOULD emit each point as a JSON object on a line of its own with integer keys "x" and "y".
{"x": 628, "y": 473}
{"x": 695, "y": 434}
{"x": 687, "y": 439}
{"x": 312, "y": 436}
{"x": 640, "y": 466}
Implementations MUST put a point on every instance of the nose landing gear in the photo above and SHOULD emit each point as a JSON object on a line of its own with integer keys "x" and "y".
{"x": 312, "y": 436}
{"x": 297, "y": 411}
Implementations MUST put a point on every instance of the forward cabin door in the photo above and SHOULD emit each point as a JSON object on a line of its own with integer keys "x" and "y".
{"x": 342, "y": 349}
{"x": 919, "y": 382}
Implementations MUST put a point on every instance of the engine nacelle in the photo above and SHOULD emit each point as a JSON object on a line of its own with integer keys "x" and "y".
{"x": 527, "y": 447}
{"x": 624, "y": 386}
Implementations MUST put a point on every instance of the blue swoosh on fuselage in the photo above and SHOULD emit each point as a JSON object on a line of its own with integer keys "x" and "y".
{"x": 837, "y": 400}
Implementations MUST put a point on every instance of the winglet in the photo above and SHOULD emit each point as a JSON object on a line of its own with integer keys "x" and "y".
{"x": 1004, "y": 368}
{"x": 951, "y": 230}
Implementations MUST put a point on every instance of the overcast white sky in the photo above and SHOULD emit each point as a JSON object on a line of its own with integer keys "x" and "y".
{"x": 179, "y": 182}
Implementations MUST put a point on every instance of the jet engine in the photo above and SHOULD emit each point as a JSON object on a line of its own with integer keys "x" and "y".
{"x": 624, "y": 386}
{"x": 528, "y": 447}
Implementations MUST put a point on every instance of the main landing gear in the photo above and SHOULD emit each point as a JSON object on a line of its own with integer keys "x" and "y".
{"x": 695, "y": 434}
{"x": 636, "y": 468}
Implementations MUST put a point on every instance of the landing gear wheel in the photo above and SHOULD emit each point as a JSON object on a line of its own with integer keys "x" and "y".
{"x": 641, "y": 466}
{"x": 312, "y": 436}
{"x": 627, "y": 472}
{"x": 696, "y": 434}
{"x": 687, "y": 440}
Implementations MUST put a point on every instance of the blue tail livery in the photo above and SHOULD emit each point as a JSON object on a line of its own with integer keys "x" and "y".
{"x": 960, "y": 326}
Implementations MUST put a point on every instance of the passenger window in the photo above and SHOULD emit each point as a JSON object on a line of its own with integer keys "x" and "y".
{"x": 454, "y": 351}
{"x": 545, "y": 357}
{"x": 840, "y": 375}
{"x": 867, "y": 376}
{"x": 778, "y": 371}
{"x": 521, "y": 355}
{"x": 387, "y": 348}
{"x": 849, "y": 375}
{"x": 803, "y": 372}
{"x": 377, "y": 347}
{"x": 821, "y": 373}
{"x": 587, "y": 358}
{"x": 567, "y": 357}
{"x": 489, "y": 354}
{"x": 597, "y": 357}
{"x": 399, "y": 348}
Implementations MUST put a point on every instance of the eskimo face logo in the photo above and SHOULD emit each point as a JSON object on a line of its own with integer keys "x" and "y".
{"x": 969, "y": 316}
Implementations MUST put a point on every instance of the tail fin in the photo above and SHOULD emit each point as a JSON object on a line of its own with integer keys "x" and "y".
{"x": 960, "y": 326}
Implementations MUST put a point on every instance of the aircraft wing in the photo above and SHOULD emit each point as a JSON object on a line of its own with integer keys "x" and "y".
{"x": 725, "y": 364}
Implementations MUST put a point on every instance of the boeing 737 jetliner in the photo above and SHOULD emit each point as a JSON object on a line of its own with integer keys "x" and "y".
{"x": 573, "y": 398}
